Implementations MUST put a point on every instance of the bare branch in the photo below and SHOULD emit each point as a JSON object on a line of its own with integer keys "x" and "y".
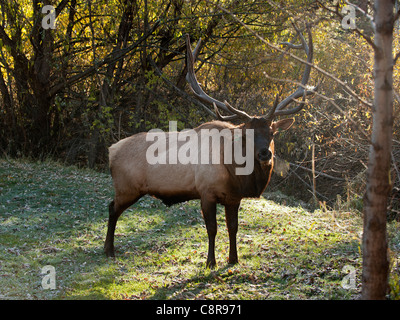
{"x": 396, "y": 16}
{"x": 330, "y": 100}
{"x": 396, "y": 57}
{"x": 111, "y": 58}
{"x": 322, "y": 174}
{"x": 329, "y": 75}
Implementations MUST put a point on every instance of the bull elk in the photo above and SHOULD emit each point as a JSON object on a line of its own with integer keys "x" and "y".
{"x": 212, "y": 183}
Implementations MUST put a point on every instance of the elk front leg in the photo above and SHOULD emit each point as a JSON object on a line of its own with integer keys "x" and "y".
{"x": 231, "y": 217}
{"x": 209, "y": 211}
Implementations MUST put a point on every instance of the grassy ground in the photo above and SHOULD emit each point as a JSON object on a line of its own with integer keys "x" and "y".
{"x": 55, "y": 215}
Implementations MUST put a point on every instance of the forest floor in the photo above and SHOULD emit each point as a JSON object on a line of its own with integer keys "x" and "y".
{"x": 56, "y": 215}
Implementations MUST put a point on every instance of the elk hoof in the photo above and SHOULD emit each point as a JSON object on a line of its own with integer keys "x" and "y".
{"x": 211, "y": 264}
{"x": 109, "y": 252}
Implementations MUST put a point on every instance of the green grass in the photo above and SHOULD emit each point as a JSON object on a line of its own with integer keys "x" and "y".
{"x": 56, "y": 215}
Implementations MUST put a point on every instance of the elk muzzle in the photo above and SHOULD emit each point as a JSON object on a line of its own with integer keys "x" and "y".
{"x": 264, "y": 155}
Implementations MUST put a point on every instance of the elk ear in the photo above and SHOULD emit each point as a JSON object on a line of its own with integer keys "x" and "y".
{"x": 281, "y": 125}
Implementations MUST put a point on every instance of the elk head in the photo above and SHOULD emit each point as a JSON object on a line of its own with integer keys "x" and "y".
{"x": 265, "y": 126}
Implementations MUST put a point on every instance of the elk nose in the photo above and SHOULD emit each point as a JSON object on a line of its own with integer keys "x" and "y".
{"x": 264, "y": 154}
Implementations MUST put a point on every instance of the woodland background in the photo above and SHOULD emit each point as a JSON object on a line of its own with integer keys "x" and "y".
{"x": 111, "y": 69}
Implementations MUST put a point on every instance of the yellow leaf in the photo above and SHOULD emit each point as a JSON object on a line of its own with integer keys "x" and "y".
{"x": 311, "y": 226}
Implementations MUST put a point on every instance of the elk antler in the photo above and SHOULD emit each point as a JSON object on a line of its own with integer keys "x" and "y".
{"x": 201, "y": 95}
{"x": 302, "y": 90}
{"x": 271, "y": 112}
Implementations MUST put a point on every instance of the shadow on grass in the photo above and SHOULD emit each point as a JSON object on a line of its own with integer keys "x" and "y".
{"x": 299, "y": 277}
{"x": 150, "y": 239}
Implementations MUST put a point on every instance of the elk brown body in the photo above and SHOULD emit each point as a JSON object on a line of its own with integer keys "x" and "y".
{"x": 212, "y": 183}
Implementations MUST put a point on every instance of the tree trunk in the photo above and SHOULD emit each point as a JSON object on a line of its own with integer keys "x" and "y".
{"x": 375, "y": 259}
